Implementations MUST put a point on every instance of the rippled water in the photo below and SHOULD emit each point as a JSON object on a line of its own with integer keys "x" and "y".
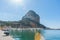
{"x": 48, "y": 35}
{"x": 23, "y": 35}
{"x": 52, "y": 34}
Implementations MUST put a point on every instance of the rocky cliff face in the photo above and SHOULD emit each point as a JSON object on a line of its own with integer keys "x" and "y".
{"x": 32, "y": 16}
{"x": 32, "y": 20}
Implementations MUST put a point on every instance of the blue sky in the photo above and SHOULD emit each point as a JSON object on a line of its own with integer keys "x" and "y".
{"x": 48, "y": 10}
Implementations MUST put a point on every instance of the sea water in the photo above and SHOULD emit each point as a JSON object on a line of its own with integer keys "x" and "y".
{"x": 52, "y": 34}
{"x": 47, "y": 34}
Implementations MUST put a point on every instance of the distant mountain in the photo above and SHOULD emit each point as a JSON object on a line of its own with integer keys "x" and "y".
{"x": 30, "y": 20}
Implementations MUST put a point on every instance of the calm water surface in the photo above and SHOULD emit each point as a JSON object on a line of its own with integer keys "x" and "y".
{"x": 48, "y": 35}
{"x": 52, "y": 34}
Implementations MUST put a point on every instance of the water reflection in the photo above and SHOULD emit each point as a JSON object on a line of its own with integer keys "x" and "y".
{"x": 25, "y": 34}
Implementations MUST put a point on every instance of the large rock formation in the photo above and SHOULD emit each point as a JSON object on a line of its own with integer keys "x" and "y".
{"x": 31, "y": 20}
{"x": 32, "y": 16}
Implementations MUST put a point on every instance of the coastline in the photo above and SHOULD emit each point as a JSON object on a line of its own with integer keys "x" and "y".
{"x": 3, "y": 37}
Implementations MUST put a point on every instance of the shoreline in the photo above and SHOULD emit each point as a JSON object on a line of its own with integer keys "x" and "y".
{"x": 3, "y": 37}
